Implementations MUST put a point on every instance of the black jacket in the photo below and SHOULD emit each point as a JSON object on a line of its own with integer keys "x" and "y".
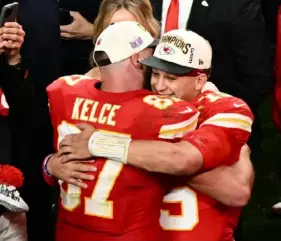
{"x": 75, "y": 53}
{"x": 242, "y": 63}
{"x": 270, "y": 10}
{"x": 33, "y": 140}
{"x": 19, "y": 95}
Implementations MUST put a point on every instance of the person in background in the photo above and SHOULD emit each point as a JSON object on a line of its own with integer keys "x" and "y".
{"x": 77, "y": 36}
{"x": 40, "y": 55}
{"x": 112, "y": 11}
{"x": 16, "y": 105}
{"x": 16, "y": 92}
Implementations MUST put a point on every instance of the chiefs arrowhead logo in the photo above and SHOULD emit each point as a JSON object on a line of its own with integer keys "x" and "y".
{"x": 166, "y": 50}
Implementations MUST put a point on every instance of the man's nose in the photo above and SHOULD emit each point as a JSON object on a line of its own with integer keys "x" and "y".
{"x": 160, "y": 85}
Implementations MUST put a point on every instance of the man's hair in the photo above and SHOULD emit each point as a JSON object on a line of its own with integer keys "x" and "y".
{"x": 208, "y": 72}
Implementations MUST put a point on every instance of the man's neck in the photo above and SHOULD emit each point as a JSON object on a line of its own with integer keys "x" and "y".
{"x": 119, "y": 83}
{"x": 109, "y": 86}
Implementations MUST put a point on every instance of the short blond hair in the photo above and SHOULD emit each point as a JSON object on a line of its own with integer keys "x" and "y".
{"x": 140, "y": 9}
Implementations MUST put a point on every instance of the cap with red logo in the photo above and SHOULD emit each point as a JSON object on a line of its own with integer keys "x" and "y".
{"x": 180, "y": 52}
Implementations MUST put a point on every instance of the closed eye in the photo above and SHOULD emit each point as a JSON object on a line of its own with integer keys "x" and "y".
{"x": 171, "y": 78}
{"x": 155, "y": 74}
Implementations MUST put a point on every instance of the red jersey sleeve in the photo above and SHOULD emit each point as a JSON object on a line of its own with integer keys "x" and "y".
{"x": 224, "y": 127}
{"x": 173, "y": 117}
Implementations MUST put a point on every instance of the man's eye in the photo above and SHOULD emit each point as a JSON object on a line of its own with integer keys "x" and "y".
{"x": 170, "y": 78}
{"x": 155, "y": 74}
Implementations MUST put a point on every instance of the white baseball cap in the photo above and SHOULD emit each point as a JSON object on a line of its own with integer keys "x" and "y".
{"x": 181, "y": 51}
{"x": 120, "y": 41}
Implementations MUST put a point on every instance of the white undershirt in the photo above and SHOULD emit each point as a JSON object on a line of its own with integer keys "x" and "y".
{"x": 184, "y": 13}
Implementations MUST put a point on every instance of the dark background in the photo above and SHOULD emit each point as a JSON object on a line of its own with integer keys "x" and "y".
{"x": 259, "y": 223}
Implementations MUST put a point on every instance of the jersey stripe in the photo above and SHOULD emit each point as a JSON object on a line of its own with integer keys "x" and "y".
{"x": 74, "y": 79}
{"x": 230, "y": 120}
{"x": 178, "y": 130}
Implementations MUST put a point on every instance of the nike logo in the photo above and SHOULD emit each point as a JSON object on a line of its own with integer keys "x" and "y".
{"x": 238, "y": 105}
{"x": 188, "y": 110}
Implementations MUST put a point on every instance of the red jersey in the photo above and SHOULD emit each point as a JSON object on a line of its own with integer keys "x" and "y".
{"x": 224, "y": 126}
{"x": 123, "y": 202}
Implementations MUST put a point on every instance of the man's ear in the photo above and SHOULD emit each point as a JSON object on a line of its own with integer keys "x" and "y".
{"x": 135, "y": 62}
{"x": 201, "y": 80}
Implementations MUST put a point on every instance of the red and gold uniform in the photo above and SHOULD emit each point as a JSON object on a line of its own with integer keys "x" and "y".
{"x": 224, "y": 126}
{"x": 122, "y": 202}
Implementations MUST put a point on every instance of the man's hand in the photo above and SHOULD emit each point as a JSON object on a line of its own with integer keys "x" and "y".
{"x": 244, "y": 158}
{"x": 11, "y": 40}
{"x": 245, "y": 153}
{"x": 70, "y": 172}
{"x": 80, "y": 28}
{"x": 75, "y": 146}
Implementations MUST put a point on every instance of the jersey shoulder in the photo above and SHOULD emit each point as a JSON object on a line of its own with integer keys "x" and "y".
{"x": 175, "y": 117}
{"x": 212, "y": 103}
{"x": 69, "y": 82}
{"x": 63, "y": 87}
{"x": 224, "y": 110}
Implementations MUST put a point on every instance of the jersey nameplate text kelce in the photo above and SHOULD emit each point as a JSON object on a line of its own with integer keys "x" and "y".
{"x": 87, "y": 110}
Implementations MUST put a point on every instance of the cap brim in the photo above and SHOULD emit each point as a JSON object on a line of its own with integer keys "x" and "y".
{"x": 166, "y": 66}
{"x": 154, "y": 43}
{"x": 101, "y": 58}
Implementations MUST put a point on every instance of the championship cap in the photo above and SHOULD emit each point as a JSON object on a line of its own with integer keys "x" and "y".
{"x": 120, "y": 41}
{"x": 181, "y": 51}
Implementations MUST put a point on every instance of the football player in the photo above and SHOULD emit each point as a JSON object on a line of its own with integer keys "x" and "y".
{"x": 123, "y": 202}
{"x": 181, "y": 66}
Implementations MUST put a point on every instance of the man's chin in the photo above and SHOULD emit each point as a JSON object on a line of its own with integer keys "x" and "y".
{"x": 167, "y": 95}
{"x": 170, "y": 95}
